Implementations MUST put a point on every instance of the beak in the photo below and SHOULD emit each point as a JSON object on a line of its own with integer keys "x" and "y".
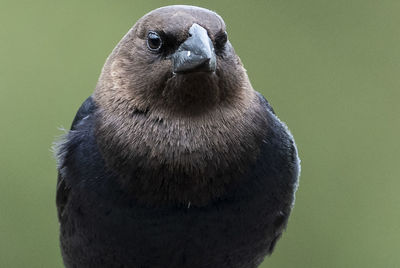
{"x": 196, "y": 54}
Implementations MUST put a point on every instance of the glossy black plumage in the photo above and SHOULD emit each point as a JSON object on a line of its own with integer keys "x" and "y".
{"x": 102, "y": 224}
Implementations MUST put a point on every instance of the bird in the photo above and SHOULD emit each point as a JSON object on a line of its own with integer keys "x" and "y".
{"x": 174, "y": 160}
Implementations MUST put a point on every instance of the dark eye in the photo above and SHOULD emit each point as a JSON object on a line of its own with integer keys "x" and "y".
{"x": 220, "y": 40}
{"x": 154, "y": 42}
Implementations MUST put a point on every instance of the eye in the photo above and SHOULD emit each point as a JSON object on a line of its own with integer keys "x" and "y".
{"x": 154, "y": 41}
{"x": 220, "y": 40}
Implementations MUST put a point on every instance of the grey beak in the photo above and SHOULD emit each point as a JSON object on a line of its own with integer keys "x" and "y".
{"x": 196, "y": 54}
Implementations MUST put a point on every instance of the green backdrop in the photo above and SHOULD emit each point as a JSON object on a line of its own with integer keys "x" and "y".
{"x": 329, "y": 68}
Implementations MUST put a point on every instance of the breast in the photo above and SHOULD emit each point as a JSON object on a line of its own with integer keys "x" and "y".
{"x": 108, "y": 225}
{"x": 184, "y": 159}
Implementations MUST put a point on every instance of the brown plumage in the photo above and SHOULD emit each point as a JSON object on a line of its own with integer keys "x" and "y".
{"x": 164, "y": 134}
{"x": 195, "y": 125}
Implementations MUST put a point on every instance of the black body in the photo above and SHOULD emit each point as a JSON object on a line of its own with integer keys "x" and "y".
{"x": 103, "y": 225}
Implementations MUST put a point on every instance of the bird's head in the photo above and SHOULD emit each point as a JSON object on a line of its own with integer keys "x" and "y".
{"x": 174, "y": 60}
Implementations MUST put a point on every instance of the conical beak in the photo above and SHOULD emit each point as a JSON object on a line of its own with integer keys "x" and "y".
{"x": 196, "y": 54}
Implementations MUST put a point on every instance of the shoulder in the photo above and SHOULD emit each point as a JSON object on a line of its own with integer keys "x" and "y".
{"x": 264, "y": 102}
{"x": 87, "y": 108}
{"x": 81, "y": 167}
{"x": 75, "y": 147}
{"x": 278, "y": 151}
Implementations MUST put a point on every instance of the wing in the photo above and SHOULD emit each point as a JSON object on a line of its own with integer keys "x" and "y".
{"x": 61, "y": 196}
{"x": 63, "y": 190}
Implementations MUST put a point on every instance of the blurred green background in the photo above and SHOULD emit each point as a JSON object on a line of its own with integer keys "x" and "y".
{"x": 331, "y": 69}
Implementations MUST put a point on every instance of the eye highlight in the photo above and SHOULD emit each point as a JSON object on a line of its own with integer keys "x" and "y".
{"x": 154, "y": 41}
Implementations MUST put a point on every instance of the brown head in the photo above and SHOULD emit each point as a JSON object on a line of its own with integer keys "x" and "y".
{"x": 176, "y": 108}
{"x": 175, "y": 59}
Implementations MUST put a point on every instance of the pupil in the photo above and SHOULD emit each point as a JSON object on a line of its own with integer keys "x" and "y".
{"x": 154, "y": 41}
